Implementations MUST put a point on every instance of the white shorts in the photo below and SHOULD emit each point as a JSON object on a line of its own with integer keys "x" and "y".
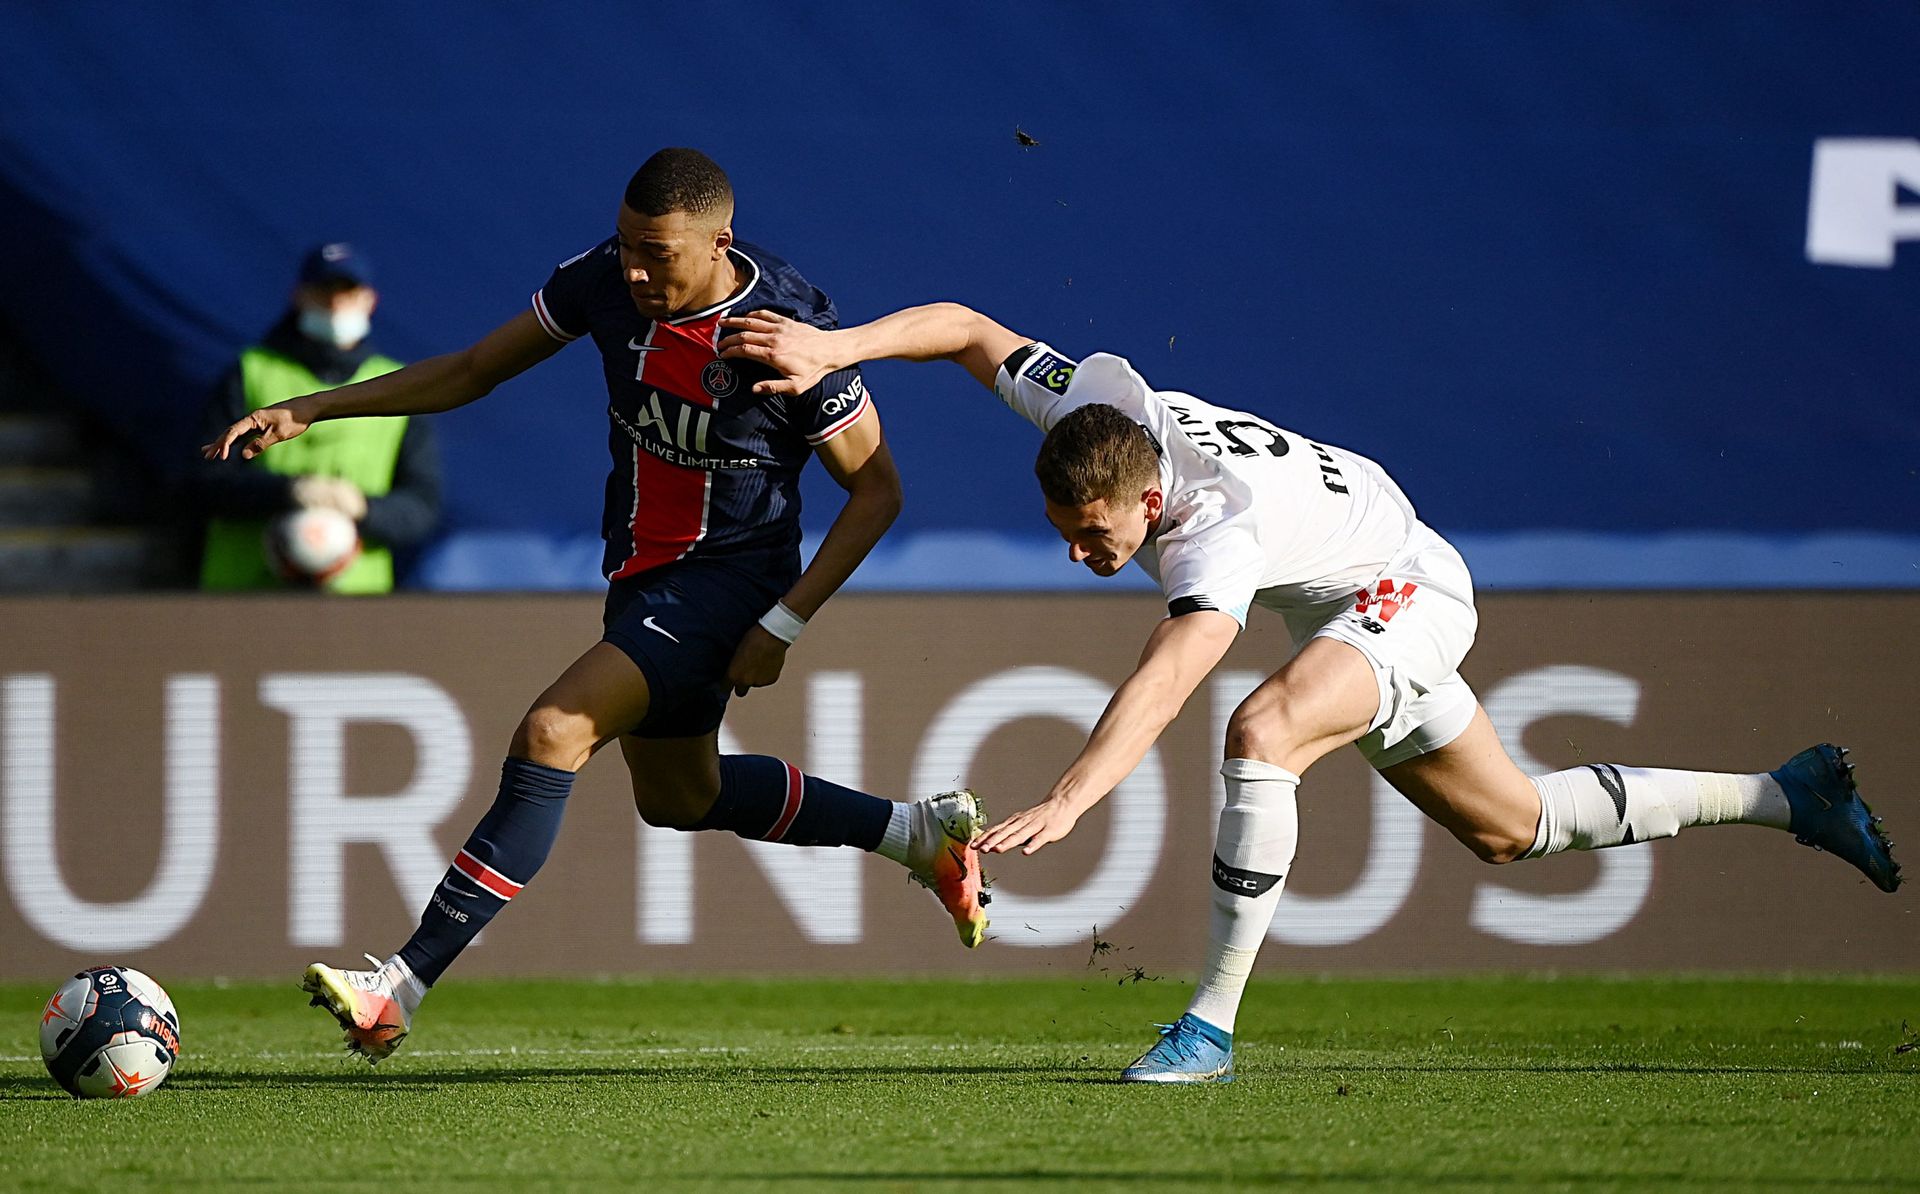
{"x": 1414, "y": 625}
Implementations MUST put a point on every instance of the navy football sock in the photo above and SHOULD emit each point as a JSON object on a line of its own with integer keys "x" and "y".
{"x": 766, "y": 798}
{"x": 500, "y": 856}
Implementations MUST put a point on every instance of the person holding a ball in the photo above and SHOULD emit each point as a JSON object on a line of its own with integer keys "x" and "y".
{"x": 330, "y": 513}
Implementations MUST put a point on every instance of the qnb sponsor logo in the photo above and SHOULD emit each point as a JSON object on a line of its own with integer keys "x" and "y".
{"x": 1864, "y": 200}
{"x": 845, "y": 400}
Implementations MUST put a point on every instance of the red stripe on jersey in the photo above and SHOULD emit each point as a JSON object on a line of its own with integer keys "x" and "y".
{"x": 486, "y": 876}
{"x": 669, "y": 512}
{"x": 546, "y": 320}
{"x": 684, "y": 353}
{"x": 796, "y": 788}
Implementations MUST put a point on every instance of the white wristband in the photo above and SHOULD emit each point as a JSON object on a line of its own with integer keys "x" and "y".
{"x": 782, "y": 623}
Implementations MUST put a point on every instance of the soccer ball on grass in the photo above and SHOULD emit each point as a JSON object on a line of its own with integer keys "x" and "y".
{"x": 109, "y": 1033}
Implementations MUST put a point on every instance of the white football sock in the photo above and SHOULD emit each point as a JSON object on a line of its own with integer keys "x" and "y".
{"x": 1259, "y": 830}
{"x": 898, "y": 836}
{"x": 1601, "y": 805}
{"x": 408, "y": 989}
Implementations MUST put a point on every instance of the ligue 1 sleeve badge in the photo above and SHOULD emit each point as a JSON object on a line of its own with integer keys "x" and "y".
{"x": 719, "y": 379}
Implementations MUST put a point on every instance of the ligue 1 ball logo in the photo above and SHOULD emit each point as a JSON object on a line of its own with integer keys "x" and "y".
{"x": 719, "y": 379}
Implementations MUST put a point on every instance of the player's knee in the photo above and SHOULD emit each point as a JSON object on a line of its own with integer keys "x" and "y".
{"x": 553, "y": 737}
{"x": 1263, "y": 728}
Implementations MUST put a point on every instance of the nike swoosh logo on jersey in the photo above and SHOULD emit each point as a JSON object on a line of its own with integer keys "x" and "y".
{"x": 639, "y": 347}
{"x": 656, "y": 627}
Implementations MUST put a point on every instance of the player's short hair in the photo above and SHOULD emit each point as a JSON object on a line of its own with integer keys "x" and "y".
{"x": 1096, "y": 454}
{"x": 679, "y": 180}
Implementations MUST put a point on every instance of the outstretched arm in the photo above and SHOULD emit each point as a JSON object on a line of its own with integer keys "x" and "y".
{"x": 426, "y": 387}
{"x": 805, "y": 354}
{"x": 1180, "y": 653}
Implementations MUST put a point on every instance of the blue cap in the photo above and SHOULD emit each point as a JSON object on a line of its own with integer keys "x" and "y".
{"x": 335, "y": 262}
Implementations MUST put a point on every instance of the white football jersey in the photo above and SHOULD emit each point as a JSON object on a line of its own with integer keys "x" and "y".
{"x": 1254, "y": 514}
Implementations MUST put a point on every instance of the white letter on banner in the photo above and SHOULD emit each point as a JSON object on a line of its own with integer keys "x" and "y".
{"x": 1393, "y": 850}
{"x": 1136, "y": 811}
{"x": 1854, "y": 213}
{"x": 822, "y": 886}
{"x": 1376, "y": 897}
{"x": 1626, "y": 875}
{"x": 189, "y": 837}
{"x": 323, "y": 818}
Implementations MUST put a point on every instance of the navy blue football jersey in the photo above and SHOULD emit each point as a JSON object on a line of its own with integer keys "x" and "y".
{"x": 702, "y": 466}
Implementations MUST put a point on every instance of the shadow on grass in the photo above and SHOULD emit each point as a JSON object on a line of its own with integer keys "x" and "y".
{"x": 1240, "y": 1177}
{"x": 390, "y": 1078}
{"x": 405, "y": 1078}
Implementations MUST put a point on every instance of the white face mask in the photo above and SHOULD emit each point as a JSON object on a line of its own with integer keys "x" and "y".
{"x": 342, "y": 329}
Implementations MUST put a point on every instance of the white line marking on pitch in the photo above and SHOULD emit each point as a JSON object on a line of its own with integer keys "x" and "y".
{"x": 634, "y": 1051}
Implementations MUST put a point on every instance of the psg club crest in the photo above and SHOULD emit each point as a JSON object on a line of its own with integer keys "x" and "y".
{"x": 719, "y": 379}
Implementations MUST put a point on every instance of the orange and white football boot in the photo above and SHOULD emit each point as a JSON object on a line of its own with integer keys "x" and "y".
{"x": 374, "y": 1007}
{"x": 942, "y": 859}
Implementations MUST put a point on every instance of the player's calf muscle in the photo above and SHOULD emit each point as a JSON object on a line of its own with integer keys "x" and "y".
{"x": 666, "y": 804}
{"x": 1497, "y": 829}
{"x": 1491, "y": 845}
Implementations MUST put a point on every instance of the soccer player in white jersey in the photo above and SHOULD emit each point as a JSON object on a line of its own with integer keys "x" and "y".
{"x": 1227, "y": 511}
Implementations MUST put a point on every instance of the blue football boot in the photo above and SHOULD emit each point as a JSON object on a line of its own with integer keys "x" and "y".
{"x": 1828, "y": 814}
{"x": 1190, "y": 1050}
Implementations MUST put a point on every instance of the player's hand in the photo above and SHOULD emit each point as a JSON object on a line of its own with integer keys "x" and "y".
{"x": 257, "y": 432}
{"x": 1028, "y": 831}
{"x": 798, "y": 350}
{"x": 756, "y": 661}
{"x": 330, "y": 493}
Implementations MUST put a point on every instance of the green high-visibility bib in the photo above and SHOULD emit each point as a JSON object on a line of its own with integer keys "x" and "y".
{"x": 363, "y": 451}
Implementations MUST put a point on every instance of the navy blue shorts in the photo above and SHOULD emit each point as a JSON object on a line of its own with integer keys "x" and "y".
{"x": 681, "y": 623}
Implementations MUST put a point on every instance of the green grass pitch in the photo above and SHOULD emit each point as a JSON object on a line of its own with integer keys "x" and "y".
{"x": 1583, "y": 1084}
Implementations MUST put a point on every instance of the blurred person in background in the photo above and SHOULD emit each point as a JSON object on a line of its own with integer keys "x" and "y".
{"x": 382, "y": 476}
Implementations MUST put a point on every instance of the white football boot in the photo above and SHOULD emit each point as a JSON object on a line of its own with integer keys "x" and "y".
{"x": 374, "y": 1007}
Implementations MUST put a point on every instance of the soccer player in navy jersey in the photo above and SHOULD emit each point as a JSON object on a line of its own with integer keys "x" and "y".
{"x": 705, "y": 590}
